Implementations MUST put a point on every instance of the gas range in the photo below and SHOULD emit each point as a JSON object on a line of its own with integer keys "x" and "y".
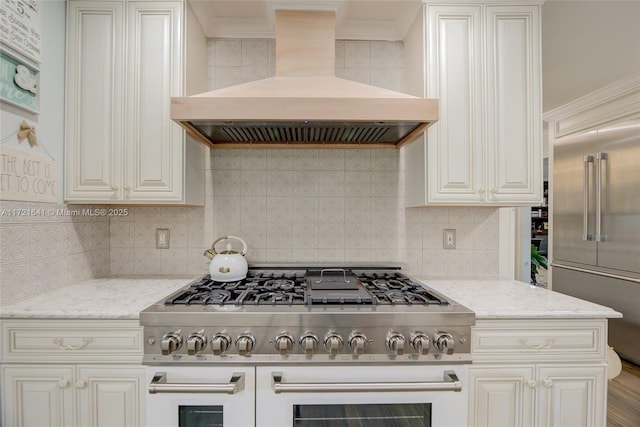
{"x": 302, "y": 314}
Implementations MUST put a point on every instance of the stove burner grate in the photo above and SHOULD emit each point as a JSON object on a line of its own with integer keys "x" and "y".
{"x": 276, "y": 288}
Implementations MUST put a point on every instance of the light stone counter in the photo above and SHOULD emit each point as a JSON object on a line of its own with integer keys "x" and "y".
{"x": 124, "y": 297}
{"x": 502, "y": 299}
{"x": 109, "y": 298}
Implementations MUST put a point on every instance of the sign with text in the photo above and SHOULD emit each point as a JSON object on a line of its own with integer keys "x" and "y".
{"x": 18, "y": 84}
{"x": 27, "y": 177}
{"x": 21, "y": 27}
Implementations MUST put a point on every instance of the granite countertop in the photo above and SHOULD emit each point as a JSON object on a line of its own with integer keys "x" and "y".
{"x": 108, "y": 298}
{"x": 510, "y": 299}
{"x": 125, "y": 296}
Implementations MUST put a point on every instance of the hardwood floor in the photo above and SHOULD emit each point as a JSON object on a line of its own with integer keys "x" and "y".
{"x": 623, "y": 406}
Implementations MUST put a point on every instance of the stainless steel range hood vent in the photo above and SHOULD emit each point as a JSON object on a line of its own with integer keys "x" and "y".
{"x": 305, "y": 105}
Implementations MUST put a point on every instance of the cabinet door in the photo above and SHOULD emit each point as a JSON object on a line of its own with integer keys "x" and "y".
{"x": 154, "y": 144}
{"x": 572, "y": 396}
{"x": 501, "y": 396}
{"x": 94, "y": 105}
{"x": 110, "y": 396}
{"x": 37, "y": 396}
{"x": 454, "y": 76}
{"x": 513, "y": 107}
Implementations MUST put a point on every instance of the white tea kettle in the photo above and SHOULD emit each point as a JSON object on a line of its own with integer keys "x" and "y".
{"x": 228, "y": 265}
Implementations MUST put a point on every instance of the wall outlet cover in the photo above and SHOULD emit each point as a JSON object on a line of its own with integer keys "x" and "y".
{"x": 162, "y": 238}
{"x": 449, "y": 238}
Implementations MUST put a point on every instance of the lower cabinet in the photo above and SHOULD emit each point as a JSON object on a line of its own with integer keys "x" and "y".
{"x": 501, "y": 396}
{"x": 542, "y": 373}
{"x": 546, "y": 395}
{"x": 72, "y": 372}
{"x": 66, "y": 395}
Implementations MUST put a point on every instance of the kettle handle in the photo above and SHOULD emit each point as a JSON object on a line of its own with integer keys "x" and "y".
{"x": 244, "y": 244}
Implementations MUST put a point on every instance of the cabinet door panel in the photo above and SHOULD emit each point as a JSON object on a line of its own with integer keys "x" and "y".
{"x": 94, "y": 100}
{"x": 37, "y": 396}
{"x": 155, "y": 148}
{"x": 514, "y": 119}
{"x": 110, "y": 396}
{"x": 501, "y": 397}
{"x": 572, "y": 396}
{"x": 454, "y": 76}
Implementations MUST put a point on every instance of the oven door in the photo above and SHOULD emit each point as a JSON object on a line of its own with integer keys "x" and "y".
{"x": 200, "y": 396}
{"x": 375, "y": 396}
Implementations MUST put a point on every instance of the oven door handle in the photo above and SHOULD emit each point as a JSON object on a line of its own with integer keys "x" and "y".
{"x": 450, "y": 383}
{"x": 159, "y": 384}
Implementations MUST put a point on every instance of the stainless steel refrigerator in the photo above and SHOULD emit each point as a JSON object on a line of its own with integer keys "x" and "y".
{"x": 596, "y": 224}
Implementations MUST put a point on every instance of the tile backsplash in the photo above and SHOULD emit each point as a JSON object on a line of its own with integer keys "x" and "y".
{"x": 45, "y": 246}
{"x": 308, "y": 205}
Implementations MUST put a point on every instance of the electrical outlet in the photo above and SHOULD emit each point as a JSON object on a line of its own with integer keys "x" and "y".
{"x": 162, "y": 238}
{"x": 449, "y": 238}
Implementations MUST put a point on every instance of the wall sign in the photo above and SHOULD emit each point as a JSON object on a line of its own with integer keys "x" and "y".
{"x": 25, "y": 174}
{"x": 20, "y": 29}
{"x": 19, "y": 84}
{"x": 27, "y": 177}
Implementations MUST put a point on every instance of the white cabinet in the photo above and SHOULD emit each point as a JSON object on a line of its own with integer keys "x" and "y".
{"x": 572, "y": 395}
{"x": 538, "y": 373}
{"x": 37, "y": 396}
{"x": 483, "y": 64}
{"x": 546, "y": 395}
{"x": 501, "y": 396}
{"x": 125, "y": 60}
{"x": 47, "y": 395}
{"x": 65, "y": 373}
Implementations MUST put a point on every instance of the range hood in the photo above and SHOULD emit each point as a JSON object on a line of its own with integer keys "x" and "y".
{"x": 304, "y": 105}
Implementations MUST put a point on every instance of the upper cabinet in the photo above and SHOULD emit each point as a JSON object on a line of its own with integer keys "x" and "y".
{"x": 125, "y": 60}
{"x": 483, "y": 64}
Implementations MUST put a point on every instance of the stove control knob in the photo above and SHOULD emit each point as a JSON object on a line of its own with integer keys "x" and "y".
{"x": 420, "y": 342}
{"x": 358, "y": 342}
{"x": 396, "y": 343}
{"x": 196, "y": 342}
{"x": 333, "y": 342}
{"x": 284, "y": 343}
{"x": 444, "y": 342}
{"x": 309, "y": 343}
{"x": 171, "y": 341}
{"x": 220, "y": 342}
{"x": 245, "y": 343}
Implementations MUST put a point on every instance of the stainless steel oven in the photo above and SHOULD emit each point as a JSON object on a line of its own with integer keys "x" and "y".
{"x": 307, "y": 346}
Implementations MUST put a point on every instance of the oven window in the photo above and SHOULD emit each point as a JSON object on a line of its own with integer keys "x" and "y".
{"x": 200, "y": 416}
{"x": 389, "y": 415}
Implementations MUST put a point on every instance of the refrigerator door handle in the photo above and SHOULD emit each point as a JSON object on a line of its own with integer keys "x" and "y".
{"x": 600, "y": 157}
{"x": 585, "y": 211}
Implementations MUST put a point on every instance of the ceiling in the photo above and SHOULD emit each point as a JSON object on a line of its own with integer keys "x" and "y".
{"x": 355, "y": 20}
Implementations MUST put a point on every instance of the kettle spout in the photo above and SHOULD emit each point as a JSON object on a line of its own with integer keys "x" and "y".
{"x": 208, "y": 253}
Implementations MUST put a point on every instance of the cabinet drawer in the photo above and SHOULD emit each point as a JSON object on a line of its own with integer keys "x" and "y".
{"x": 539, "y": 340}
{"x": 71, "y": 340}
